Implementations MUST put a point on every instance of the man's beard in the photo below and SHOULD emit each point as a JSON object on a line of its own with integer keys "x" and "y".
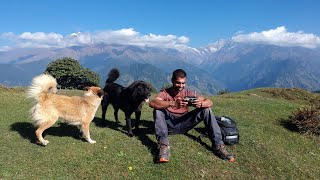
{"x": 178, "y": 89}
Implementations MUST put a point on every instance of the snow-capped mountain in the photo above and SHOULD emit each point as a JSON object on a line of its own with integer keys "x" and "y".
{"x": 224, "y": 64}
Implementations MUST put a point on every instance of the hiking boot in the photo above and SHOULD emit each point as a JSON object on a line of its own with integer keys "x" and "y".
{"x": 222, "y": 153}
{"x": 164, "y": 153}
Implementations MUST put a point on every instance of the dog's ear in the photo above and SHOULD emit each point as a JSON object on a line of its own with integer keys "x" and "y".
{"x": 86, "y": 88}
{"x": 101, "y": 93}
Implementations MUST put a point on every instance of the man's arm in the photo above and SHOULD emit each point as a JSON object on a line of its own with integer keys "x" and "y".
{"x": 202, "y": 102}
{"x": 158, "y": 103}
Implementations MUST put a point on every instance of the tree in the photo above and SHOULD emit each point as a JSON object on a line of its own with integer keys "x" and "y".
{"x": 71, "y": 75}
{"x": 225, "y": 91}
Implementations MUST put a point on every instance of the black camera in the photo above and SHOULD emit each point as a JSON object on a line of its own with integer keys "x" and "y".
{"x": 190, "y": 99}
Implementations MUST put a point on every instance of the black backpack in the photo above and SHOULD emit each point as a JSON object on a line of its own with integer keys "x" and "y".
{"x": 229, "y": 130}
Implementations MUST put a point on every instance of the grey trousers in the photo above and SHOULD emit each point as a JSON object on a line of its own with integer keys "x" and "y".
{"x": 166, "y": 123}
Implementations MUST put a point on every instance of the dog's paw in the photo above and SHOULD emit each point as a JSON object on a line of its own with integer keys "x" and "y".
{"x": 130, "y": 134}
{"x": 43, "y": 143}
{"x": 92, "y": 141}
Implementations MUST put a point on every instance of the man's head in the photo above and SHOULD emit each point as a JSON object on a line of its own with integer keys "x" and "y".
{"x": 179, "y": 78}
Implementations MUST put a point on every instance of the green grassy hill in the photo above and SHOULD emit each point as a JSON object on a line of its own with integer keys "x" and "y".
{"x": 269, "y": 147}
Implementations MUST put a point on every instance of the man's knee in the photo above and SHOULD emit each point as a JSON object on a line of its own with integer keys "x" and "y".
{"x": 158, "y": 113}
{"x": 207, "y": 111}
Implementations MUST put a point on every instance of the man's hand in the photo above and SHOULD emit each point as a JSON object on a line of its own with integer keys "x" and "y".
{"x": 181, "y": 103}
{"x": 197, "y": 103}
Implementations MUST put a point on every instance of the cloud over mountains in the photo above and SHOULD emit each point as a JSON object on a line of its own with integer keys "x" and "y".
{"x": 278, "y": 36}
{"x": 122, "y": 36}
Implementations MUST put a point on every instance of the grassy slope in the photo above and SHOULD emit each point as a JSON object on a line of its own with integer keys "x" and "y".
{"x": 268, "y": 148}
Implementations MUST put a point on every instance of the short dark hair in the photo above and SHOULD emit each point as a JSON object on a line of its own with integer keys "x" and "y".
{"x": 178, "y": 73}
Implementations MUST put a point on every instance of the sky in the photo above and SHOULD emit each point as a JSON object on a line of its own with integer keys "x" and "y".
{"x": 164, "y": 23}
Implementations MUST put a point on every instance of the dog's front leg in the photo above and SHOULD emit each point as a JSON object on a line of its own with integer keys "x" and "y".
{"x": 104, "y": 107}
{"x": 137, "y": 122}
{"x": 128, "y": 124}
{"x": 86, "y": 133}
{"x": 115, "y": 113}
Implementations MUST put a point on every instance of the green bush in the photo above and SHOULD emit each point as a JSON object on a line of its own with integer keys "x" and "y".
{"x": 225, "y": 91}
{"x": 307, "y": 120}
{"x": 71, "y": 75}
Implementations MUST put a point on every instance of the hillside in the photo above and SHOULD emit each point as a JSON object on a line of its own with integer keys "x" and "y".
{"x": 246, "y": 66}
{"x": 268, "y": 149}
{"x": 222, "y": 65}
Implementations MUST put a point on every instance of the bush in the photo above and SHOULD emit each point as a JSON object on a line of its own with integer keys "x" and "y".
{"x": 71, "y": 75}
{"x": 225, "y": 91}
{"x": 307, "y": 120}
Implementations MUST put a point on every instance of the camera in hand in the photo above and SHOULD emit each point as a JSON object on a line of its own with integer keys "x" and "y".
{"x": 190, "y": 99}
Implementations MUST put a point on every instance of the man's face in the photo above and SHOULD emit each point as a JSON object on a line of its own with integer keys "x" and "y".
{"x": 179, "y": 84}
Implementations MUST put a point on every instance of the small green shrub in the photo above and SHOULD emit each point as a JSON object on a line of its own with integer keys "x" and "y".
{"x": 307, "y": 120}
{"x": 225, "y": 91}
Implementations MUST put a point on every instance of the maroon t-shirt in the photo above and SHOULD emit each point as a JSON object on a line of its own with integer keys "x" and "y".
{"x": 166, "y": 95}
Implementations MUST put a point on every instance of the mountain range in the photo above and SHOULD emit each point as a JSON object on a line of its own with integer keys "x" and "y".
{"x": 224, "y": 64}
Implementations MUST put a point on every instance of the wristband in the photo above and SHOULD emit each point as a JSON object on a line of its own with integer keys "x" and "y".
{"x": 171, "y": 104}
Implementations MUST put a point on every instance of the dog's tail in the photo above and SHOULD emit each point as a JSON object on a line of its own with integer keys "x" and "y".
{"x": 43, "y": 83}
{"x": 113, "y": 75}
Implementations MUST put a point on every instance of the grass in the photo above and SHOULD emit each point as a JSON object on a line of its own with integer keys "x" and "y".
{"x": 269, "y": 148}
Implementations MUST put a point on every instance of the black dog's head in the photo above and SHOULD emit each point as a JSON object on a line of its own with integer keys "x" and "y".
{"x": 141, "y": 91}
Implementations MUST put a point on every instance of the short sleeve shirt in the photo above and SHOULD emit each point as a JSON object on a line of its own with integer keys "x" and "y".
{"x": 167, "y": 96}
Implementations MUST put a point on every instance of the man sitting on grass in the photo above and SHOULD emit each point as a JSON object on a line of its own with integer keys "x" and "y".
{"x": 171, "y": 116}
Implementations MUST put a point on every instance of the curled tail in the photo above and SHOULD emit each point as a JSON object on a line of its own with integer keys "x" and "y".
{"x": 113, "y": 75}
{"x": 43, "y": 83}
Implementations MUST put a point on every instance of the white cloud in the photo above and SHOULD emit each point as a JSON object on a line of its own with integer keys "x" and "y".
{"x": 278, "y": 36}
{"x": 281, "y": 37}
{"x": 4, "y": 48}
{"x": 122, "y": 36}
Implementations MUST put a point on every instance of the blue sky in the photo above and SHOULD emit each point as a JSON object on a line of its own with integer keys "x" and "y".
{"x": 167, "y": 23}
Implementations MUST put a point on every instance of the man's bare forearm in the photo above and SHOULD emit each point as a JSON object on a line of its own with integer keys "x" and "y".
{"x": 160, "y": 104}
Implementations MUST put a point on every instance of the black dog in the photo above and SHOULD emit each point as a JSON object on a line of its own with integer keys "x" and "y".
{"x": 128, "y": 99}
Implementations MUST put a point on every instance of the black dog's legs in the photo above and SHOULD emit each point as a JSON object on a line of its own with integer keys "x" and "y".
{"x": 137, "y": 123}
{"x": 104, "y": 106}
{"x": 115, "y": 113}
{"x": 128, "y": 124}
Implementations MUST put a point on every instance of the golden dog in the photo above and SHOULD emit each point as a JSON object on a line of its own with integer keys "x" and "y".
{"x": 50, "y": 106}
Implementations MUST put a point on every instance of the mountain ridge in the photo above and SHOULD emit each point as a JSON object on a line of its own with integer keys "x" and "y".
{"x": 221, "y": 65}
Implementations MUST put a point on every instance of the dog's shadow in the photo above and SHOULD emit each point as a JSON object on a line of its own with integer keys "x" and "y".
{"x": 27, "y": 131}
{"x": 145, "y": 128}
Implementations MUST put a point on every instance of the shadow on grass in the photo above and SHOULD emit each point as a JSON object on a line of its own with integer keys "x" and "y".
{"x": 109, "y": 124}
{"x": 27, "y": 131}
{"x": 203, "y": 134}
{"x": 146, "y": 127}
{"x": 286, "y": 123}
{"x": 145, "y": 140}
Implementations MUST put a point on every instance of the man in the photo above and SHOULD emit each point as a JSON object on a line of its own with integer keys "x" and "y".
{"x": 171, "y": 116}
